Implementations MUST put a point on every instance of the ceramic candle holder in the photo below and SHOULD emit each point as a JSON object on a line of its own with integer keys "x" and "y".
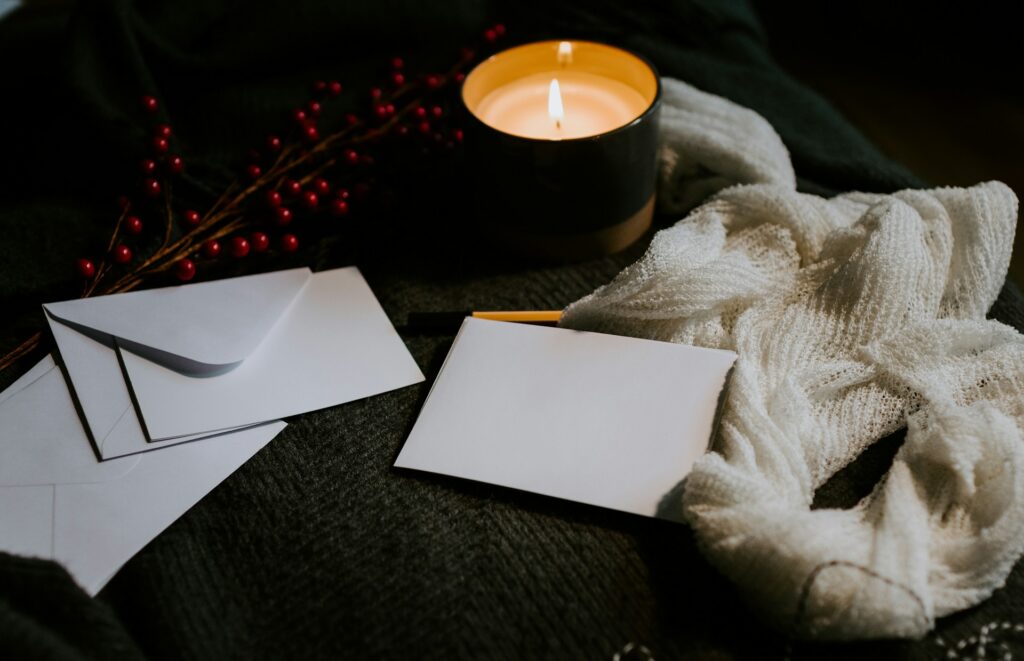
{"x": 562, "y": 140}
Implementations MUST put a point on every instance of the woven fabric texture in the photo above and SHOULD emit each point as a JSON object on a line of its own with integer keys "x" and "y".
{"x": 852, "y": 316}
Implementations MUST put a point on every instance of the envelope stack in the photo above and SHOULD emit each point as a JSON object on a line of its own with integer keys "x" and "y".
{"x": 152, "y": 398}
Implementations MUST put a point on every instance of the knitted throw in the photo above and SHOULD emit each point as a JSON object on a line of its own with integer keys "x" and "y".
{"x": 853, "y": 317}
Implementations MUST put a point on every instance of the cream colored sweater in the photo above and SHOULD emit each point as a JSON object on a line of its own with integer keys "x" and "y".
{"x": 853, "y": 317}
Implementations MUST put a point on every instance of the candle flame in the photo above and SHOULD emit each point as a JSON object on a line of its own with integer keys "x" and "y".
{"x": 564, "y": 52}
{"x": 555, "y": 103}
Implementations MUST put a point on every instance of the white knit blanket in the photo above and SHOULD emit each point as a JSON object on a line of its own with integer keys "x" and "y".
{"x": 853, "y": 317}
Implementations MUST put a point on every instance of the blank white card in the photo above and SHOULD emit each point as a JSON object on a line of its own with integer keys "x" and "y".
{"x": 600, "y": 419}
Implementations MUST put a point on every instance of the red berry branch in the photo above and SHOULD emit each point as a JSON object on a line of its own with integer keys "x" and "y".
{"x": 298, "y": 178}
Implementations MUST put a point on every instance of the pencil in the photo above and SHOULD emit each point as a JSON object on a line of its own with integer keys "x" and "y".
{"x": 523, "y": 316}
{"x": 448, "y": 320}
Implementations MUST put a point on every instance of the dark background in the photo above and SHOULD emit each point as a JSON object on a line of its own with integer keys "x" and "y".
{"x": 937, "y": 86}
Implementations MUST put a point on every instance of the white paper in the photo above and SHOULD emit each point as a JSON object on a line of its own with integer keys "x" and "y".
{"x": 610, "y": 421}
{"x": 97, "y": 383}
{"x": 200, "y": 328}
{"x": 204, "y": 328}
{"x": 333, "y": 345}
{"x": 94, "y": 516}
{"x": 36, "y": 420}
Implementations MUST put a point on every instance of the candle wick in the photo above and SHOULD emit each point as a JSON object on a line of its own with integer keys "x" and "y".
{"x": 558, "y": 124}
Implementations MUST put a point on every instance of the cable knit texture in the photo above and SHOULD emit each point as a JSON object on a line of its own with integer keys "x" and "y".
{"x": 853, "y": 317}
{"x": 709, "y": 143}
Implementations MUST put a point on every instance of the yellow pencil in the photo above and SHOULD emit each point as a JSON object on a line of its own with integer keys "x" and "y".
{"x": 451, "y": 320}
{"x": 527, "y": 316}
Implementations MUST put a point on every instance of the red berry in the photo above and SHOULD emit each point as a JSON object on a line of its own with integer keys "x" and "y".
{"x": 459, "y": 77}
{"x": 351, "y": 156}
{"x": 339, "y": 207}
{"x": 310, "y": 133}
{"x": 433, "y": 81}
{"x": 289, "y": 243}
{"x": 499, "y": 29}
{"x": 319, "y": 87}
{"x": 300, "y": 116}
{"x": 284, "y": 216}
{"x": 351, "y": 119}
{"x": 292, "y": 188}
{"x": 380, "y": 111}
{"x": 403, "y": 129}
{"x": 253, "y": 171}
{"x": 322, "y": 186}
{"x": 260, "y": 241}
{"x": 310, "y": 200}
{"x": 397, "y": 63}
{"x": 436, "y": 111}
{"x": 164, "y": 130}
{"x": 122, "y": 254}
{"x": 151, "y": 187}
{"x": 424, "y": 127}
{"x": 457, "y": 134}
{"x": 148, "y": 166}
{"x": 161, "y": 145}
{"x": 192, "y": 217}
{"x": 334, "y": 88}
{"x": 185, "y": 269}
{"x": 343, "y": 193}
{"x": 150, "y": 104}
{"x": 273, "y": 143}
{"x": 211, "y": 248}
{"x": 239, "y": 246}
{"x": 398, "y": 78}
{"x": 376, "y": 93}
{"x": 314, "y": 108}
{"x": 391, "y": 109}
{"x": 174, "y": 164}
{"x": 490, "y": 35}
{"x": 273, "y": 198}
{"x": 133, "y": 225}
{"x": 85, "y": 268}
{"x": 421, "y": 112}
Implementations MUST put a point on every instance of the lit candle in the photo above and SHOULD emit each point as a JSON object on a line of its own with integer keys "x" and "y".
{"x": 563, "y": 139}
{"x": 588, "y": 105}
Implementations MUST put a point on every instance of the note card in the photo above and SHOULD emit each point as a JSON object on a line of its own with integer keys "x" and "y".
{"x": 600, "y": 419}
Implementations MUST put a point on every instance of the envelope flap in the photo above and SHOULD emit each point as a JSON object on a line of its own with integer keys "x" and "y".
{"x": 195, "y": 327}
{"x": 41, "y": 437}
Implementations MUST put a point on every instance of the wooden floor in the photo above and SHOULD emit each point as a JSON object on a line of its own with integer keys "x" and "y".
{"x": 948, "y": 135}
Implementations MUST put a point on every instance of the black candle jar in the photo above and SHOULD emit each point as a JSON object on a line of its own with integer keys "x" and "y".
{"x": 588, "y": 193}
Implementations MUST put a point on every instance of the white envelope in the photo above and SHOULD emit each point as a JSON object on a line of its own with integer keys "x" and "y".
{"x": 600, "y": 419}
{"x": 208, "y": 358}
{"x": 224, "y": 318}
{"x": 58, "y": 502}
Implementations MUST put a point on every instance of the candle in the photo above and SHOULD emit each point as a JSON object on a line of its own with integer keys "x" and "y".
{"x": 587, "y": 105}
{"x": 562, "y": 141}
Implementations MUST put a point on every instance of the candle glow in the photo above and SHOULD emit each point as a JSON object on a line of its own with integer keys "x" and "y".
{"x": 560, "y": 90}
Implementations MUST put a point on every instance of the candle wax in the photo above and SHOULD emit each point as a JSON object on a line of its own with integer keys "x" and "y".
{"x": 592, "y": 105}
